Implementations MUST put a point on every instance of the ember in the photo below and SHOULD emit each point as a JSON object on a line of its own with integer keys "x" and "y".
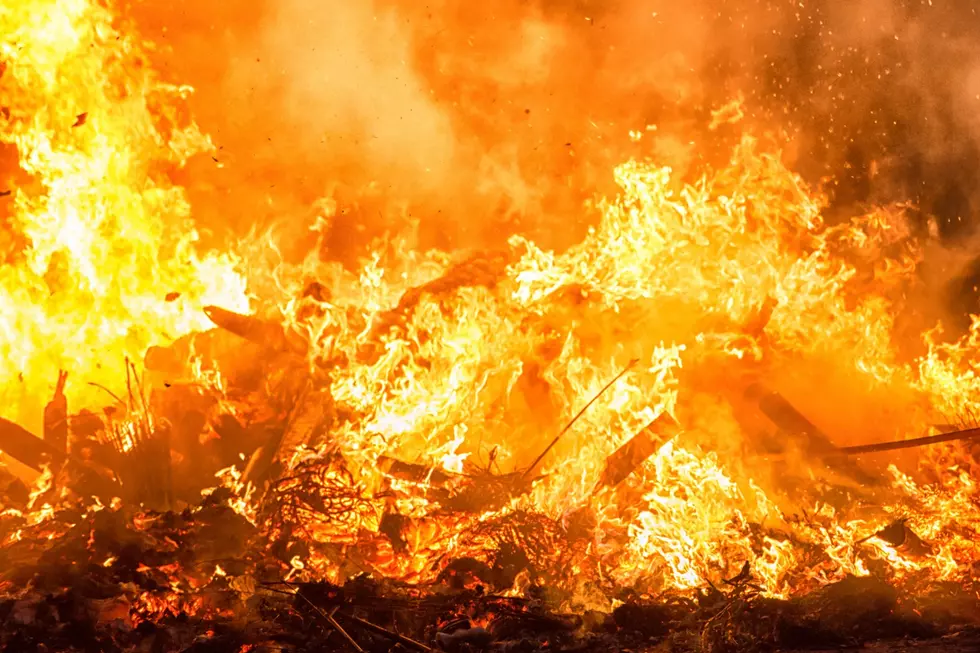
{"x": 701, "y": 426}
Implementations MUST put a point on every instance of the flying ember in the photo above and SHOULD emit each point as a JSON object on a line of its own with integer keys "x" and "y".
{"x": 723, "y": 405}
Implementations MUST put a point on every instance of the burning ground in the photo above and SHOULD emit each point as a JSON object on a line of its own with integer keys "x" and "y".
{"x": 698, "y": 427}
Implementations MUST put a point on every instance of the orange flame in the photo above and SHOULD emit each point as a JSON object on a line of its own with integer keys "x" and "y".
{"x": 470, "y": 365}
{"x": 97, "y": 235}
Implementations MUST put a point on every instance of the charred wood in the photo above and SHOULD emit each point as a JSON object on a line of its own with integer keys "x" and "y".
{"x": 235, "y": 438}
{"x": 23, "y": 445}
{"x": 900, "y": 535}
{"x": 878, "y": 447}
{"x": 407, "y": 642}
{"x": 56, "y": 417}
{"x": 484, "y": 492}
{"x": 808, "y": 436}
{"x": 480, "y": 270}
{"x": 255, "y": 329}
{"x": 483, "y": 269}
{"x": 310, "y": 418}
{"x": 637, "y": 450}
{"x": 85, "y": 476}
{"x": 261, "y": 467}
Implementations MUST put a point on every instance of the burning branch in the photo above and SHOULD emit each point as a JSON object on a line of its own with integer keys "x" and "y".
{"x": 898, "y": 445}
{"x": 579, "y": 414}
{"x": 26, "y": 447}
{"x": 812, "y": 440}
{"x": 255, "y": 329}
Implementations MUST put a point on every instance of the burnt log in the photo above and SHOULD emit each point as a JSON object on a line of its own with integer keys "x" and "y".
{"x": 255, "y": 329}
{"x": 82, "y": 476}
{"x": 19, "y": 443}
{"x": 807, "y": 435}
{"x": 625, "y": 460}
{"x": 261, "y": 465}
{"x": 480, "y": 270}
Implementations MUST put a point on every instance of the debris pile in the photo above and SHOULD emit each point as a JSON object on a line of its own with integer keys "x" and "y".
{"x": 106, "y": 578}
{"x": 107, "y": 553}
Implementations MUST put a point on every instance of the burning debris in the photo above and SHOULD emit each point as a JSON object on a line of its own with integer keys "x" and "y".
{"x": 649, "y": 440}
{"x": 310, "y": 541}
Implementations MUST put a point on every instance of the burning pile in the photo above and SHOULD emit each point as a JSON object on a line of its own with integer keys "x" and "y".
{"x": 597, "y": 447}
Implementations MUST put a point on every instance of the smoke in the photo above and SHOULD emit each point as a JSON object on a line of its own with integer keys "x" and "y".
{"x": 481, "y": 120}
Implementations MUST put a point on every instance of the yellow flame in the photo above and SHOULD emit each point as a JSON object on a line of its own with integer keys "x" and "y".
{"x": 98, "y": 235}
{"x": 491, "y": 359}
{"x": 478, "y": 363}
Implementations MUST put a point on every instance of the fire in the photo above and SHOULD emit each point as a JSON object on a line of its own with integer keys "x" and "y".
{"x": 95, "y": 236}
{"x": 468, "y": 365}
{"x": 710, "y": 284}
